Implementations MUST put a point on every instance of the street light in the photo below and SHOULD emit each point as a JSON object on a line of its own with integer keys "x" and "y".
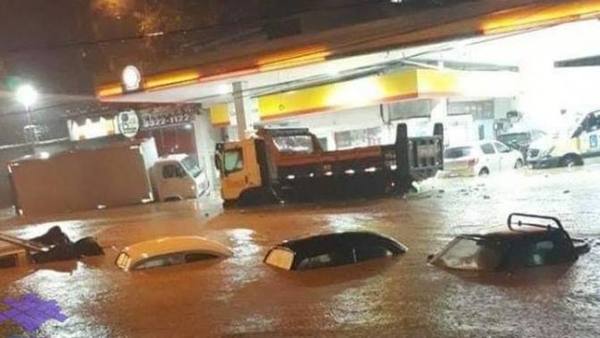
{"x": 27, "y": 95}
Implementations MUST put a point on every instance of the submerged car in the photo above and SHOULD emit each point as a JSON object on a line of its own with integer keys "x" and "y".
{"x": 530, "y": 241}
{"x": 168, "y": 251}
{"x": 521, "y": 140}
{"x": 332, "y": 249}
{"x": 52, "y": 246}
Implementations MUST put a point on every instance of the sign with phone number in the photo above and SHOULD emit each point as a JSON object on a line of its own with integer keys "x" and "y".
{"x": 154, "y": 120}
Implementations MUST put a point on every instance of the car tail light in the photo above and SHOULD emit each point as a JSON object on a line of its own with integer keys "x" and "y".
{"x": 473, "y": 162}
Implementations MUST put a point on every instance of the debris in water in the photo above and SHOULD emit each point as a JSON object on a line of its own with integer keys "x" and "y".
{"x": 486, "y": 197}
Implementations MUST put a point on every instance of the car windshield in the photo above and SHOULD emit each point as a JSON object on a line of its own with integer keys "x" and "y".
{"x": 294, "y": 144}
{"x": 518, "y": 138}
{"x": 172, "y": 259}
{"x": 458, "y": 152}
{"x": 234, "y": 161}
{"x": 471, "y": 253}
{"x": 191, "y": 165}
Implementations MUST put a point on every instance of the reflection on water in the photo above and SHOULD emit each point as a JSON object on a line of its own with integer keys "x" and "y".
{"x": 239, "y": 269}
{"x": 391, "y": 297}
{"x": 74, "y": 290}
{"x": 361, "y": 305}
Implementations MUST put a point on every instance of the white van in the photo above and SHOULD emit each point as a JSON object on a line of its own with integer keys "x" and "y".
{"x": 178, "y": 177}
{"x": 560, "y": 151}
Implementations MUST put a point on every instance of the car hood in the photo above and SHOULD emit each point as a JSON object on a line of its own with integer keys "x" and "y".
{"x": 544, "y": 143}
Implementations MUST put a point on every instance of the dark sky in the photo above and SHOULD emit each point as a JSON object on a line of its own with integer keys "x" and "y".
{"x": 62, "y": 44}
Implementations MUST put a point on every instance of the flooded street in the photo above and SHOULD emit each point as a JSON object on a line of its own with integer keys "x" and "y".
{"x": 397, "y": 297}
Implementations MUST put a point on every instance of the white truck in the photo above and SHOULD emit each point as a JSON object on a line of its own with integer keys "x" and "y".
{"x": 120, "y": 174}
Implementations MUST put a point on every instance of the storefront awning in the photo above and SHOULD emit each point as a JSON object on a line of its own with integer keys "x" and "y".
{"x": 408, "y": 84}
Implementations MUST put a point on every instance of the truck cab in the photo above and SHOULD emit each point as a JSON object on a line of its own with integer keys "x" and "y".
{"x": 581, "y": 145}
{"x": 178, "y": 177}
{"x": 239, "y": 164}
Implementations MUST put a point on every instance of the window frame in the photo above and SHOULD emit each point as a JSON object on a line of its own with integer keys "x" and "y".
{"x": 481, "y": 146}
{"x": 178, "y": 171}
{"x": 240, "y": 160}
{"x": 498, "y": 146}
{"x": 179, "y": 254}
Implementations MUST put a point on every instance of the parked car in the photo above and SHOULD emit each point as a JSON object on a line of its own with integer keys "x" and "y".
{"x": 168, "y": 251}
{"x": 480, "y": 159}
{"x": 332, "y": 249}
{"x": 522, "y": 140}
{"x": 576, "y": 144}
{"x": 530, "y": 241}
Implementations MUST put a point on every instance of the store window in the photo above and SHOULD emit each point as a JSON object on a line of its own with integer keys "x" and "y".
{"x": 410, "y": 109}
{"x": 480, "y": 110}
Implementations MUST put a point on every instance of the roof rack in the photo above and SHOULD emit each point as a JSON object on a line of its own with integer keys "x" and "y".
{"x": 529, "y": 220}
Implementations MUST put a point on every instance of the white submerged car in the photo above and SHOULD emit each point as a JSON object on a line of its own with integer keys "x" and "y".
{"x": 168, "y": 251}
{"x": 480, "y": 159}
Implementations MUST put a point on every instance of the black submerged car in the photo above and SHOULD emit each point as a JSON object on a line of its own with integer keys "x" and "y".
{"x": 332, "y": 250}
{"x": 530, "y": 241}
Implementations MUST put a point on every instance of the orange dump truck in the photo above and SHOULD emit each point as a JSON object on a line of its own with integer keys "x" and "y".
{"x": 290, "y": 163}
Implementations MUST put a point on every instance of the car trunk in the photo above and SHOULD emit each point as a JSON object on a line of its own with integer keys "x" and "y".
{"x": 458, "y": 164}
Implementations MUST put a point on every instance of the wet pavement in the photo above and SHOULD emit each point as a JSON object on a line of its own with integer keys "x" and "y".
{"x": 394, "y": 297}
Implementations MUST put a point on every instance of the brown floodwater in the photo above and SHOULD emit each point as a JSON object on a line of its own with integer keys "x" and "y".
{"x": 395, "y": 297}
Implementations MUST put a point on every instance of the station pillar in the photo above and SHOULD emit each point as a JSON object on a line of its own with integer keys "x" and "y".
{"x": 205, "y": 137}
{"x": 243, "y": 110}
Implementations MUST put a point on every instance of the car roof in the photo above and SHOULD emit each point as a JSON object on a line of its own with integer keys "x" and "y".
{"x": 327, "y": 241}
{"x": 167, "y": 245}
{"x": 513, "y": 234}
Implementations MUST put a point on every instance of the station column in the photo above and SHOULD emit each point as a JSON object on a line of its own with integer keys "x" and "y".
{"x": 242, "y": 110}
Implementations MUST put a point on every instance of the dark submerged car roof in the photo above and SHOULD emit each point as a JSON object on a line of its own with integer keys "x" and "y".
{"x": 334, "y": 241}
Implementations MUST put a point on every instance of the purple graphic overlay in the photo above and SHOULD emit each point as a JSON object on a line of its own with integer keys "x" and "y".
{"x": 31, "y": 312}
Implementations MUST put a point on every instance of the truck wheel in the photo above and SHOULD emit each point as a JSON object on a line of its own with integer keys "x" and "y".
{"x": 257, "y": 196}
{"x": 484, "y": 172}
{"x": 229, "y": 203}
{"x": 571, "y": 160}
